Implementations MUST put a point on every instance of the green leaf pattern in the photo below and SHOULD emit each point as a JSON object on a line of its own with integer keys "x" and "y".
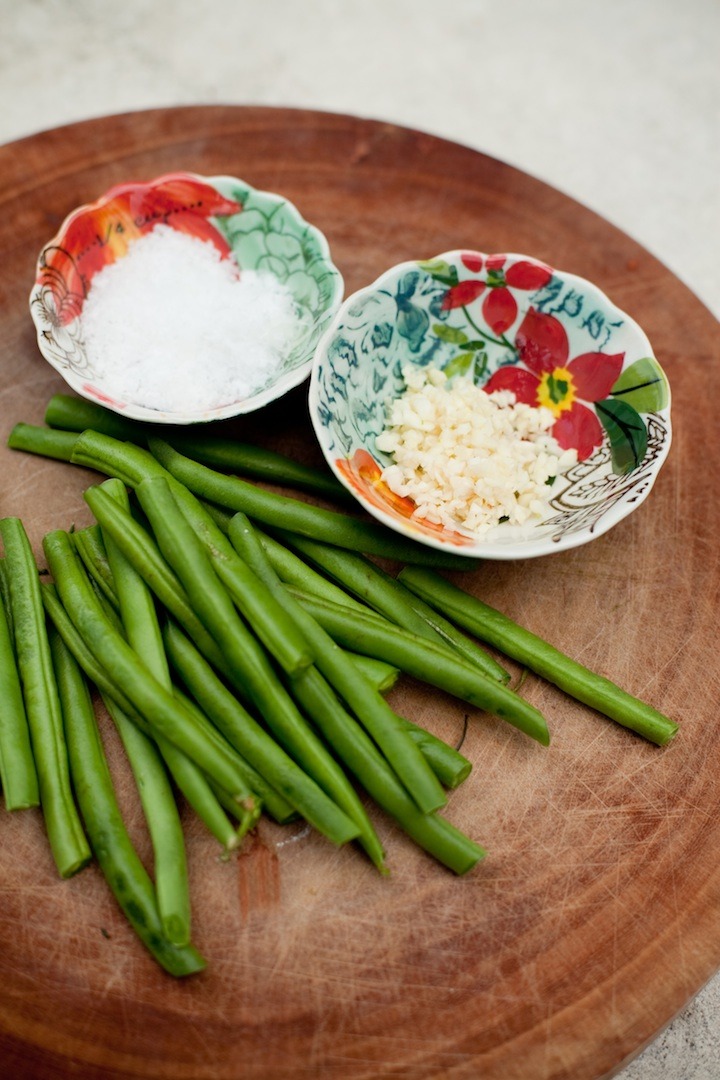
{"x": 643, "y": 385}
{"x": 269, "y": 234}
{"x": 627, "y": 434}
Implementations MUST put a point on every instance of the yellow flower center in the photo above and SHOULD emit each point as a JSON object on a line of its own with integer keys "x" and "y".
{"x": 556, "y": 390}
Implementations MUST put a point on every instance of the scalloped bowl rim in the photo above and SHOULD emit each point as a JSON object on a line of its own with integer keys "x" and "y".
{"x": 522, "y": 549}
{"x": 277, "y": 389}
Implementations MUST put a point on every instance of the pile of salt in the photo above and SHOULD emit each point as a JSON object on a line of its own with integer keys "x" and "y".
{"x": 173, "y": 326}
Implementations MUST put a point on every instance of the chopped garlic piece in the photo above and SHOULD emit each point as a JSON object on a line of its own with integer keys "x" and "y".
{"x": 468, "y": 459}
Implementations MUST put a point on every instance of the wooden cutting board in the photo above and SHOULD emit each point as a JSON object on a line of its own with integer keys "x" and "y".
{"x": 596, "y": 914}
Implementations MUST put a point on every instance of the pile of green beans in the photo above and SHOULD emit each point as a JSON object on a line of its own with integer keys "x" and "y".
{"x": 241, "y": 641}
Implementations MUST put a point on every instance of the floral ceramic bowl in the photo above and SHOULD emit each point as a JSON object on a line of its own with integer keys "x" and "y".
{"x": 507, "y": 322}
{"x": 255, "y": 229}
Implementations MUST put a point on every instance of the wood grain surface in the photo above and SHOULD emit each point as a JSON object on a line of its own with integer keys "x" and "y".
{"x": 596, "y": 914}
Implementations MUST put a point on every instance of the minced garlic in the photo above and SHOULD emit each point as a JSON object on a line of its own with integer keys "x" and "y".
{"x": 470, "y": 460}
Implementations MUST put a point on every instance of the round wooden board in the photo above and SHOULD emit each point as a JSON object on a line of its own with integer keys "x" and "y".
{"x": 596, "y": 914}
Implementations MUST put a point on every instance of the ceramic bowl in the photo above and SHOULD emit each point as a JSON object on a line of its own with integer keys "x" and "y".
{"x": 257, "y": 229}
{"x": 511, "y": 322}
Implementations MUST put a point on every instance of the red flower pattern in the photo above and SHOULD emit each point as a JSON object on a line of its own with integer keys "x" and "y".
{"x": 499, "y": 307}
{"x": 551, "y": 379}
{"x": 98, "y": 234}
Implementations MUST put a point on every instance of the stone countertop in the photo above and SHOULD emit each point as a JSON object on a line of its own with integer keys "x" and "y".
{"x": 615, "y": 103}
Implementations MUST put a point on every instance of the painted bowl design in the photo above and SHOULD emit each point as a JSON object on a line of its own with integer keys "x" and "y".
{"x": 257, "y": 229}
{"x": 509, "y": 322}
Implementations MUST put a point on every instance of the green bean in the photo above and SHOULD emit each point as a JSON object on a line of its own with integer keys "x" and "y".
{"x": 128, "y": 462}
{"x": 387, "y": 596}
{"x": 229, "y": 455}
{"x": 378, "y": 673}
{"x": 382, "y": 675}
{"x": 463, "y": 646}
{"x": 253, "y": 599}
{"x": 90, "y": 546}
{"x": 187, "y": 776}
{"x": 247, "y": 736}
{"x": 427, "y": 661}
{"x": 280, "y": 511}
{"x": 143, "y": 553}
{"x": 111, "y": 844}
{"x": 93, "y": 670}
{"x": 5, "y": 597}
{"x": 293, "y": 570}
{"x": 17, "y": 765}
{"x": 109, "y": 609}
{"x": 150, "y": 698}
{"x": 199, "y": 792}
{"x": 273, "y": 804}
{"x": 185, "y": 552}
{"x": 32, "y": 439}
{"x": 126, "y": 590}
{"x": 235, "y": 810}
{"x": 78, "y": 414}
{"x": 139, "y": 620}
{"x": 361, "y": 754}
{"x": 361, "y": 578}
{"x": 159, "y": 807}
{"x": 258, "y": 791}
{"x": 434, "y": 834}
{"x": 249, "y": 806}
{"x": 539, "y": 656}
{"x": 129, "y": 589}
{"x": 200, "y": 795}
{"x": 341, "y": 730}
{"x": 131, "y": 465}
{"x": 449, "y": 765}
{"x": 190, "y": 780}
{"x": 65, "y": 832}
{"x": 367, "y": 704}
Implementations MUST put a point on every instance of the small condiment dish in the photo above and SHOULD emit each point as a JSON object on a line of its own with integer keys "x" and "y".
{"x": 258, "y": 230}
{"x": 510, "y": 322}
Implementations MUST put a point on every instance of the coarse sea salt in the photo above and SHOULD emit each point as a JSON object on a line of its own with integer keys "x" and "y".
{"x": 470, "y": 460}
{"x": 174, "y": 326}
